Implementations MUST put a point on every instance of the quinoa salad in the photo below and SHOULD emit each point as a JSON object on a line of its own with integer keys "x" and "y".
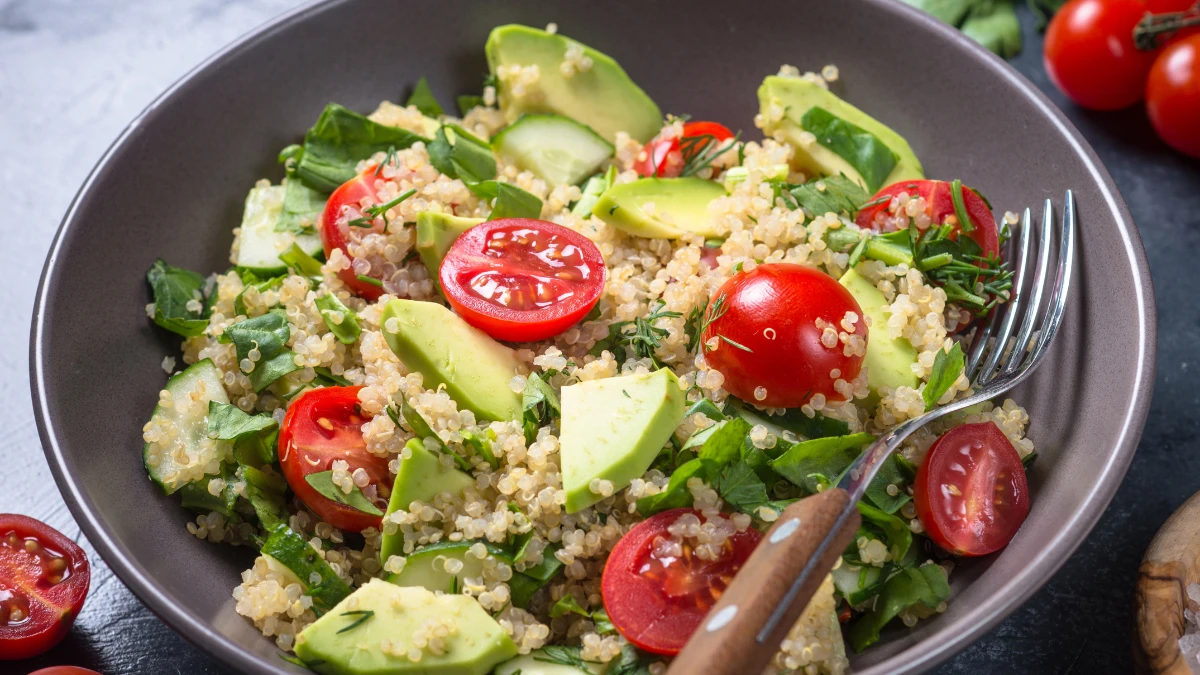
{"x": 520, "y": 389}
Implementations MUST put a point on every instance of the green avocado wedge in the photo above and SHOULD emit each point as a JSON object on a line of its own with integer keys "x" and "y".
{"x": 350, "y": 638}
{"x": 436, "y": 233}
{"x": 421, "y": 478}
{"x": 844, "y": 131}
{"x": 660, "y": 208}
{"x": 446, "y": 350}
{"x": 601, "y": 96}
{"x": 889, "y": 360}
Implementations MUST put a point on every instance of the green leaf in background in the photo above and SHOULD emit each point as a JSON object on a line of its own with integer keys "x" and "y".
{"x": 949, "y": 11}
{"x": 991, "y": 23}
{"x": 833, "y": 194}
{"x": 347, "y": 330}
{"x": 174, "y": 288}
{"x": 338, "y": 141}
{"x": 926, "y": 585}
{"x": 302, "y": 207}
{"x": 227, "y": 422}
{"x": 947, "y": 366}
{"x": 467, "y": 103}
{"x": 300, "y": 262}
{"x": 422, "y": 97}
{"x": 860, "y": 148}
{"x": 567, "y": 605}
{"x": 322, "y": 482}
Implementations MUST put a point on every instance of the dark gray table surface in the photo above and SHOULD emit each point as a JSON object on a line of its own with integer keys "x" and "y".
{"x": 73, "y": 73}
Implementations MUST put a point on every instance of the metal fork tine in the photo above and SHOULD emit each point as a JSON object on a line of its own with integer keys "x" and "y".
{"x": 983, "y": 334}
{"x": 1013, "y": 307}
{"x": 1057, "y": 307}
{"x": 1037, "y": 289}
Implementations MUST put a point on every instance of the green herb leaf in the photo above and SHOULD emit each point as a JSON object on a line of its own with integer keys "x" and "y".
{"x": 302, "y": 207}
{"x": 707, "y": 408}
{"x": 196, "y": 497}
{"x": 949, "y": 11}
{"x": 174, "y": 288}
{"x": 326, "y": 378}
{"x": 632, "y": 661}
{"x": 833, "y": 194}
{"x": 525, "y": 584}
{"x": 422, "y": 429}
{"x": 676, "y": 494}
{"x": 268, "y": 334}
{"x": 993, "y": 24}
{"x": 482, "y": 445}
{"x": 513, "y": 202}
{"x": 566, "y": 605}
{"x": 644, "y": 340}
{"x": 724, "y": 444}
{"x": 947, "y": 366}
{"x": 369, "y": 280}
{"x": 925, "y": 584}
{"x": 338, "y": 141}
{"x": 294, "y": 552}
{"x": 323, "y": 483}
{"x": 813, "y": 464}
{"x": 239, "y": 303}
{"x": 266, "y": 493}
{"x": 563, "y": 656}
{"x": 346, "y": 331}
{"x": 300, "y": 262}
{"x": 894, "y": 530}
{"x": 458, "y": 153}
{"x": 227, "y": 422}
{"x": 741, "y": 488}
{"x": 467, "y": 103}
{"x": 422, "y": 97}
{"x": 540, "y": 404}
{"x": 362, "y": 616}
{"x": 869, "y": 156}
{"x": 792, "y": 420}
{"x": 604, "y": 625}
{"x": 1028, "y": 460}
{"x": 890, "y": 473}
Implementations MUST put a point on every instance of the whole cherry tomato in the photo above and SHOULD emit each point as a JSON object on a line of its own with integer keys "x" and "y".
{"x": 1173, "y": 95}
{"x": 1090, "y": 55}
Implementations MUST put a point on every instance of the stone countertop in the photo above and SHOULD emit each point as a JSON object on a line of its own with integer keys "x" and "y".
{"x": 72, "y": 75}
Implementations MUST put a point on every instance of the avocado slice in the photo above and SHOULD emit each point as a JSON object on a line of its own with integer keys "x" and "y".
{"x": 436, "y": 233}
{"x": 680, "y": 206}
{"x": 603, "y": 96}
{"x": 797, "y": 97}
{"x": 446, "y": 350}
{"x": 350, "y": 638}
{"x": 421, "y": 478}
{"x": 612, "y": 429}
{"x": 889, "y": 360}
{"x": 538, "y": 662}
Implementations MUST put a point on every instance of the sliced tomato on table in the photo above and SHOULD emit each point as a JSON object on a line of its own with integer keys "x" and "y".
{"x": 885, "y": 215}
{"x": 346, "y": 206}
{"x": 519, "y": 279}
{"x": 665, "y": 157}
{"x": 766, "y": 332}
{"x": 657, "y": 601}
{"x": 44, "y": 578}
{"x": 970, "y": 492}
{"x": 322, "y": 426}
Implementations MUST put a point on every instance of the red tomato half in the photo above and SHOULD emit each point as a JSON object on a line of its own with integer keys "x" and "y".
{"x": 663, "y": 157}
{"x": 657, "y": 601}
{"x": 519, "y": 279}
{"x": 777, "y": 316}
{"x": 322, "y": 426}
{"x": 1173, "y": 95}
{"x": 970, "y": 492}
{"x": 1090, "y": 56}
{"x": 939, "y": 205}
{"x": 44, "y": 578}
{"x": 345, "y": 205}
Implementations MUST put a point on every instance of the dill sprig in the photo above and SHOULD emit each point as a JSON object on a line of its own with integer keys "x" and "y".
{"x": 389, "y": 158}
{"x": 362, "y": 614}
{"x": 373, "y": 212}
{"x": 957, "y": 265}
{"x": 711, "y": 312}
{"x": 645, "y": 338}
{"x": 699, "y": 152}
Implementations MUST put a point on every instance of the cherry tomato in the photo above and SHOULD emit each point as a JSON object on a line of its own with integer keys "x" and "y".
{"x": 939, "y": 206}
{"x": 778, "y": 335}
{"x": 520, "y": 279}
{"x": 44, "y": 578}
{"x": 663, "y": 156}
{"x": 970, "y": 492}
{"x": 64, "y": 670}
{"x": 655, "y": 599}
{"x": 346, "y": 205}
{"x": 1173, "y": 95}
{"x": 1090, "y": 55}
{"x": 322, "y": 426}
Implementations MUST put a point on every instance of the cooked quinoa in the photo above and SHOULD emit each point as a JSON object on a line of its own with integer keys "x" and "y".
{"x": 525, "y": 493}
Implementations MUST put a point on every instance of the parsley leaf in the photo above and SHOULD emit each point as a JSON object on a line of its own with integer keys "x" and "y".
{"x": 741, "y": 488}
{"x": 604, "y": 625}
{"x": 834, "y": 194}
{"x": 300, "y": 262}
{"x": 926, "y": 585}
{"x": 174, "y": 288}
{"x": 347, "y": 330}
{"x": 864, "y": 151}
{"x": 540, "y": 404}
{"x": 563, "y": 656}
{"x": 815, "y": 463}
{"x": 676, "y": 494}
{"x": 227, "y": 422}
{"x": 644, "y": 340}
{"x": 268, "y": 334}
{"x": 947, "y": 366}
{"x": 323, "y": 483}
{"x": 421, "y": 428}
{"x": 302, "y": 206}
{"x": 266, "y": 492}
{"x": 458, "y": 153}
{"x": 338, "y": 141}
{"x": 422, "y": 97}
{"x": 568, "y": 604}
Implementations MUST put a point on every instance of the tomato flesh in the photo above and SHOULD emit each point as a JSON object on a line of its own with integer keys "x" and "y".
{"x": 656, "y": 600}
{"x": 1090, "y": 56}
{"x": 344, "y": 206}
{"x": 1173, "y": 95}
{"x": 777, "y": 315}
{"x": 44, "y": 579}
{"x": 889, "y": 215}
{"x": 970, "y": 492}
{"x": 664, "y": 158}
{"x": 519, "y": 279}
{"x": 323, "y": 426}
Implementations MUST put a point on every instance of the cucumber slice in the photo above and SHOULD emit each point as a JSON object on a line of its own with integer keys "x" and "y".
{"x": 426, "y": 565}
{"x": 538, "y": 663}
{"x": 258, "y": 244}
{"x": 293, "y": 551}
{"x": 181, "y": 451}
{"x": 556, "y": 149}
{"x": 858, "y": 584}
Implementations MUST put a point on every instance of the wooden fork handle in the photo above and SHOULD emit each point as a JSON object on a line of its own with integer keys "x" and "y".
{"x": 726, "y": 642}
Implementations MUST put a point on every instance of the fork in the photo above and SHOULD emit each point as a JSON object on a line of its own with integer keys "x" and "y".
{"x": 743, "y": 630}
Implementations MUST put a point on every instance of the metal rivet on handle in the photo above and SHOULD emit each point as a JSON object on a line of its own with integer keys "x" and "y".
{"x": 784, "y": 530}
{"x": 721, "y": 618}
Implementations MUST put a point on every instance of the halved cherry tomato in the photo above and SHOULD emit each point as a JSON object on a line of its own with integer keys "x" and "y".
{"x": 1173, "y": 95}
{"x": 346, "y": 204}
{"x": 939, "y": 206}
{"x": 1090, "y": 55}
{"x": 775, "y": 333}
{"x": 662, "y": 156}
{"x": 520, "y": 279}
{"x": 44, "y": 578}
{"x": 970, "y": 492}
{"x": 656, "y": 601}
{"x": 321, "y": 426}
